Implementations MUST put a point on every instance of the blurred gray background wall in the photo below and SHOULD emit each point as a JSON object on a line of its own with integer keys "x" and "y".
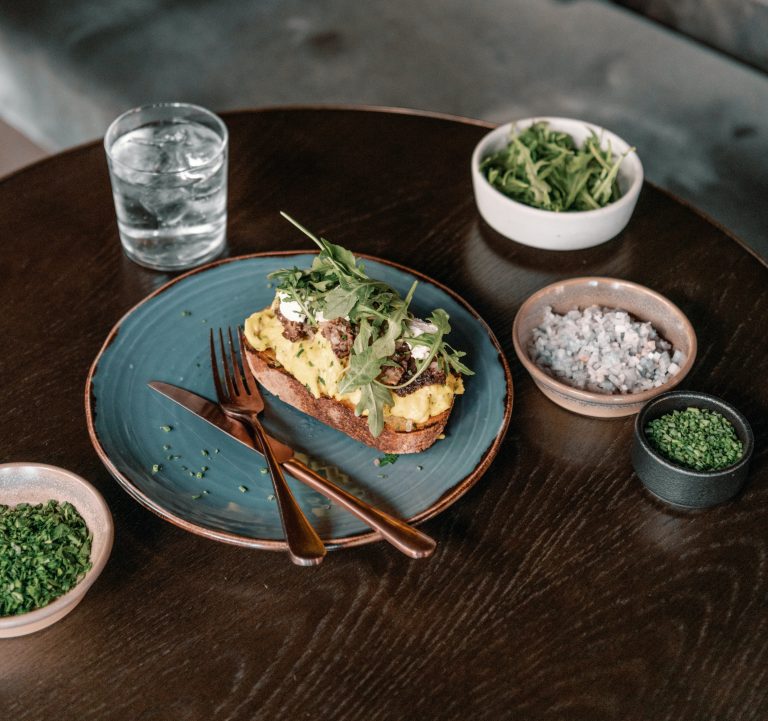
{"x": 690, "y": 91}
{"x": 736, "y": 27}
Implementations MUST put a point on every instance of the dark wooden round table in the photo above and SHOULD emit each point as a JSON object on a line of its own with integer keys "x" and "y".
{"x": 559, "y": 590}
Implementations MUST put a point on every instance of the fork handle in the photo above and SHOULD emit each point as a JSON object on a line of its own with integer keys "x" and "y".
{"x": 304, "y": 545}
{"x": 405, "y": 538}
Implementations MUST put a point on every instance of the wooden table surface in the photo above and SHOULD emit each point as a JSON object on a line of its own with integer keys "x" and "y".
{"x": 559, "y": 590}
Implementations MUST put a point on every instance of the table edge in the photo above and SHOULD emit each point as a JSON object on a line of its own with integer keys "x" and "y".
{"x": 398, "y": 110}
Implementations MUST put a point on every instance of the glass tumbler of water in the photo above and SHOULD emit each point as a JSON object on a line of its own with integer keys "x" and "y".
{"x": 168, "y": 166}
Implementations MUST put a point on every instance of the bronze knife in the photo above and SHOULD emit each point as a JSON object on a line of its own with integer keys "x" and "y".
{"x": 405, "y": 538}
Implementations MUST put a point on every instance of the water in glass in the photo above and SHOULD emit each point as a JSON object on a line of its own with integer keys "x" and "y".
{"x": 169, "y": 180}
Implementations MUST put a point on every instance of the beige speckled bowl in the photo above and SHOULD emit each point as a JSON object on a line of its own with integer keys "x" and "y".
{"x": 37, "y": 483}
{"x": 641, "y": 302}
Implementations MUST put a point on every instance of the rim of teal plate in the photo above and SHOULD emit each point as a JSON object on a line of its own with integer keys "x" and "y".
{"x": 449, "y": 497}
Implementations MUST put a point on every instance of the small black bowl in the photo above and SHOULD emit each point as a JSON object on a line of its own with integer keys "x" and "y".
{"x": 683, "y": 487}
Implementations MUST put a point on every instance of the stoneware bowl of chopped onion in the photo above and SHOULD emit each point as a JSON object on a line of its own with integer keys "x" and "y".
{"x": 37, "y": 483}
{"x": 558, "y": 229}
{"x": 671, "y": 479}
{"x": 603, "y": 347}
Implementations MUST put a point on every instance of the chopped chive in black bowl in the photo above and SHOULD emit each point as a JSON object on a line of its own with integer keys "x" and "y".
{"x": 697, "y": 438}
{"x": 668, "y": 469}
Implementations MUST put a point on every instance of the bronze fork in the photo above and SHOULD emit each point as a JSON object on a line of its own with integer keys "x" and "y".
{"x": 239, "y": 398}
{"x": 411, "y": 541}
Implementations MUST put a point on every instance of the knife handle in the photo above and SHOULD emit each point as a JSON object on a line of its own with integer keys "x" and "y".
{"x": 304, "y": 545}
{"x": 405, "y": 538}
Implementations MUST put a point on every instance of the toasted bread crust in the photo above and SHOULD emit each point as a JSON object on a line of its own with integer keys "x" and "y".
{"x": 341, "y": 416}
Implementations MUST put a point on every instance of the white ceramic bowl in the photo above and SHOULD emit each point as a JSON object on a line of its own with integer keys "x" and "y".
{"x": 38, "y": 483}
{"x": 547, "y": 229}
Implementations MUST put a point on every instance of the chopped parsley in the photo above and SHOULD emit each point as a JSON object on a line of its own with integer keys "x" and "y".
{"x": 387, "y": 459}
{"x": 46, "y": 552}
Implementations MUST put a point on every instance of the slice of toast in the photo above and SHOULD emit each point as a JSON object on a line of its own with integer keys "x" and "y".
{"x": 341, "y": 416}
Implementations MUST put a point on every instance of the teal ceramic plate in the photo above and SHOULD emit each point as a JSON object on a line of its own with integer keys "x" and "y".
{"x": 194, "y": 476}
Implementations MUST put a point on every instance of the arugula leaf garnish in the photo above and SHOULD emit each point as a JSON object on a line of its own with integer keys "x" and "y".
{"x": 373, "y": 398}
{"x": 340, "y": 301}
{"x": 336, "y": 285}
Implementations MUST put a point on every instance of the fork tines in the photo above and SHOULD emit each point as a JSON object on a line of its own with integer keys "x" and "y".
{"x": 238, "y": 377}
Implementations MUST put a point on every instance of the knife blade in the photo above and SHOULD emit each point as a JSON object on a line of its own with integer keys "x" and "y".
{"x": 211, "y": 413}
{"x": 407, "y": 539}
